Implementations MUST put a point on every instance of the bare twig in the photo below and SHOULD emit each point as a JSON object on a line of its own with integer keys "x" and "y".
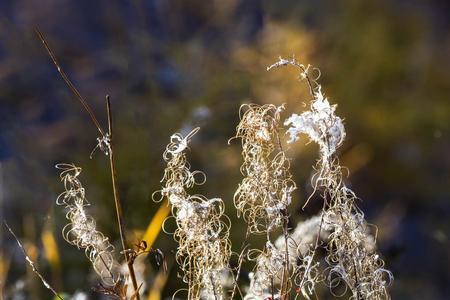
{"x": 31, "y": 263}
{"x": 312, "y": 84}
{"x": 117, "y": 202}
{"x": 68, "y": 82}
{"x": 240, "y": 261}
{"x": 316, "y": 244}
{"x": 284, "y": 291}
{"x": 284, "y": 294}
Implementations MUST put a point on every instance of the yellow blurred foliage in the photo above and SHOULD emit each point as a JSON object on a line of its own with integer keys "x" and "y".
{"x": 154, "y": 227}
{"x": 158, "y": 285}
{"x": 50, "y": 248}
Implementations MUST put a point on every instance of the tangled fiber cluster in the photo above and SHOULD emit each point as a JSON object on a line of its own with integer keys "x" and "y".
{"x": 352, "y": 256}
{"x": 204, "y": 248}
{"x": 270, "y": 265}
{"x": 264, "y": 195}
{"x": 265, "y": 191}
{"x": 81, "y": 230}
{"x": 351, "y": 266}
{"x": 320, "y": 124}
{"x": 350, "y": 259}
{"x": 301, "y": 246}
{"x": 262, "y": 198}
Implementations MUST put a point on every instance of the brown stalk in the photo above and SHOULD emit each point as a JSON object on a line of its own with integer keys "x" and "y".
{"x": 117, "y": 202}
{"x": 284, "y": 293}
{"x": 285, "y": 276}
{"x": 110, "y": 153}
{"x": 69, "y": 83}
{"x": 240, "y": 261}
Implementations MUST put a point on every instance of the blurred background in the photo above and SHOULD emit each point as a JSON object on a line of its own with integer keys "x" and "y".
{"x": 172, "y": 65}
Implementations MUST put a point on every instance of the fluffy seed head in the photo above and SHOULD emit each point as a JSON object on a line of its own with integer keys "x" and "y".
{"x": 204, "y": 248}
{"x": 351, "y": 254}
{"x": 265, "y": 191}
{"x": 81, "y": 230}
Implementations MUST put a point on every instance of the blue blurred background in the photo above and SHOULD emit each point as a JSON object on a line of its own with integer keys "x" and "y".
{"x": 173, "y": 65}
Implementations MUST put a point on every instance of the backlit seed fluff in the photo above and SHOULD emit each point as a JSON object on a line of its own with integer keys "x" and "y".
{"x": 265, "y": 191}
{"x": 202, "y": 234}
{"x": 351, "y": 257}
{"x": 81, "y": 230}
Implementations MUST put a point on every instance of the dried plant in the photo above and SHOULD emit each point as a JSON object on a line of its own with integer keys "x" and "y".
{"x": 81, "y": 230}
{"x": 264, "y": 195}
{"x": 202, "y": 235}
{"x": 265, "y": 191}
{"x": 269, "y": 269}
{"x": 350, "y": 260}
{"x": 262, "y": 199}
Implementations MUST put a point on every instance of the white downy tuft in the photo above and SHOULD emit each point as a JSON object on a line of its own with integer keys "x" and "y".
{"x": 320, "y": 124}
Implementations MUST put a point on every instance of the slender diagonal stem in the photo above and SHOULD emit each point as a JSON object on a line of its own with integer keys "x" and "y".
{"x": 69, "y": 83}
{"x": 32, "y": 264}
{"x": 241, "y": 259}
{"x": 117, "y": 202}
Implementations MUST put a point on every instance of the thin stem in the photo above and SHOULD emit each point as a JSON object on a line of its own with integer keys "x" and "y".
{"x": 305, "y": 75}
{"x": 272, "y": 287}
{"x": 308, "y": 79}
{"x": 285, "y": 281}
{"x": 117, "y": 202}
{"x": 190, "y": 280}
{"x": 284, "y": 294}
{"x": 356, "y": 279}
{"x": 32, "y": 264}
{"x": 316, "y": 244}
{"x": 241, "y": 258}
{"x": 68, "y": 82}
{"x": 213, "y": 287}
{"x": 293, "y": 62}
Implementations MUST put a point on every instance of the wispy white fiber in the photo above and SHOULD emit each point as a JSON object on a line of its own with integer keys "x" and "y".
{"x": 81, "y": 230}
{"x": 320, "y": 124}
{"x": 202, "y": 235}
